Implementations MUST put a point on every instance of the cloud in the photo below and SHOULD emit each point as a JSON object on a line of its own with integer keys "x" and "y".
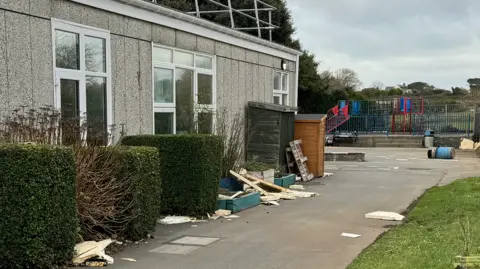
{"x": 393, "y": 41}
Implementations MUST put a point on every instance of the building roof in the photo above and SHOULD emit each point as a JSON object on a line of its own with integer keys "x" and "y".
{"x": 273, "y": 107}
{"x": 185, "y": 22}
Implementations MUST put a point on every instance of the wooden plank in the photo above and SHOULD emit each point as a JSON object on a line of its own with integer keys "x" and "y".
{"x": 268, "y": 184}
{"x": 236, "y": 194}
{"x": 298, "y": 155}
{"x": 249, "y": 183}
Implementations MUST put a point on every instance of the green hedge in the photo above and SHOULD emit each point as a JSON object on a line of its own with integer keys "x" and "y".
{"x": 190, "y": 168}
{"x": 141, "y": 164}
{"x": 37, "y": 206}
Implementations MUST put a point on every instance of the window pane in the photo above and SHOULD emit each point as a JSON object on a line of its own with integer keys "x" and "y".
{"x": 69, "y": 111}
{"x": 96, "y": 110}
{"x": 69, "y": 98}
{"x": 203, "y": 62}
{"x": 285, "y": 99}
{"x": 284, "y": 82}
{"x": 95, "y": 54}
{"x": 162, "y": 55}
{"x": 276, "y": 99}
{"x": 184, "y": 100}
{"x": 67, "y": 50}
{"x": 205, "y": 122}
{"x": 183, "y": 58}
{"x": 163, "y": 85}
{"x": 163, "y": 123}
{"x": 276, "y": 81}
{"x": 205, "y": 96}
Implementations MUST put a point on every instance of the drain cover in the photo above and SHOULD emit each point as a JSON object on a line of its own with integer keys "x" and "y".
{"x": 419, "y": 169}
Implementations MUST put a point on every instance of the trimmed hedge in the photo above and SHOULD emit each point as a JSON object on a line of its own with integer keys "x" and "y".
{"x": 37, "y": 206}
{"x": 190, "y": 168}
{"x": 141, "y": 164}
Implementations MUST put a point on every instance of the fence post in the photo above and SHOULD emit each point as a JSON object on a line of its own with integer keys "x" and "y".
{"x": 413, "y": 120}
{"x": 388, "y": 123}
{"x": 469, "y": 118}
{"x": 446, "y": 116}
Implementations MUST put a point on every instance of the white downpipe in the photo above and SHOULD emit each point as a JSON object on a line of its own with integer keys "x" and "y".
{"x": 297, "y": 77}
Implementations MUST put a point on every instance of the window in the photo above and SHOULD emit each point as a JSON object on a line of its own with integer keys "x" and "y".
{"x": 280, "y": 88}
{"x": 184, "y": 92}
{"x": 82, "y": 81}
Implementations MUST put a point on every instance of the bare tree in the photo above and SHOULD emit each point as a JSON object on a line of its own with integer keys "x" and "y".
{"x": 347, "y": 78}
{"x": 378, "y": 85}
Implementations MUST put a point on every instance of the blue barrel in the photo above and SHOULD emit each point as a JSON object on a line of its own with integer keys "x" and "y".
{"x": 447, "y": 153}
{"x": 409, "y": 105}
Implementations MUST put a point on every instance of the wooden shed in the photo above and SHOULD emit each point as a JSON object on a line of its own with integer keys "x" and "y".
{"x": 270, "y": 130}
{"x": 310, "y": 128}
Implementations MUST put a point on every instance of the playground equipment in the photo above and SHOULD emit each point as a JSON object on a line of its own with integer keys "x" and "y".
{"x": 394, "y": 112}
{"x": 400, "y": 115}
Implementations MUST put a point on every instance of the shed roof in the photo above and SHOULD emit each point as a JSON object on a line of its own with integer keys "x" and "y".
{"x": 270, "y": 106}
{"x": 309, "y": 116}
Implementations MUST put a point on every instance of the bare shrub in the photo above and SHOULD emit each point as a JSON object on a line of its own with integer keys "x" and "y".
{"x": 233, "y": 132}
{"x": 102, "y": 194}
{"x": 29, "y": 125}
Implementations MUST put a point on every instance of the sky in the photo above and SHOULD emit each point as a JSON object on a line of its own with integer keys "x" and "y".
{"x": 393, "y": 41}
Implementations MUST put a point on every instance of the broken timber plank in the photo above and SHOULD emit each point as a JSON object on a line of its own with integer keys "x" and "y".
{"x": 268, "y": 184}
{"x": 249, "y": 183}
{"x": 236, "y": 194}
{"x": 300, "y": 160}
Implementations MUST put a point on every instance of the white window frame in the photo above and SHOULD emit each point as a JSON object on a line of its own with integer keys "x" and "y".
{"x": 170, "y": 107}
{"x": 82, "y": 73}
{"x": 281, "y": 92}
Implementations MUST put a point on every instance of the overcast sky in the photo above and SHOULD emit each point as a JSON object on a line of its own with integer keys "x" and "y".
{"x": 393, "y": 41}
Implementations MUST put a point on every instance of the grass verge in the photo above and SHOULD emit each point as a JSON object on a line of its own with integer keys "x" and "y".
{"x": 432, "y": 236}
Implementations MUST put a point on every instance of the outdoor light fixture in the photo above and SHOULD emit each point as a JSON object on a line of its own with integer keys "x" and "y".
{"x": 284, "y": 65}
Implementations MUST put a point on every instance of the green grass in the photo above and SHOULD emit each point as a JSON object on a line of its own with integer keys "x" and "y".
{"x": 432, "y": 236}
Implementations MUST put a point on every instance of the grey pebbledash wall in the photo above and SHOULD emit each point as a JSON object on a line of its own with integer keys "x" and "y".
{"x": 26, "y": 61}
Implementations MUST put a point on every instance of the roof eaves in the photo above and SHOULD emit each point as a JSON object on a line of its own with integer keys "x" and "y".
{"x": 208, "y": 24}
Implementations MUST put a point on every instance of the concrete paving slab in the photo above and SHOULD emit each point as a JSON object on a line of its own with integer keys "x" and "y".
{"x": 174, "y": 249}
{"x": 195, "y": 240}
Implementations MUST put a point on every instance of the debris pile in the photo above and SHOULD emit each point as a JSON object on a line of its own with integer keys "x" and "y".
{"x": 92, "y": 254}
{"x": 270, "y": 193}
{"x": 468, "y": 144}
{"x": 169, "y": 220}
{"x": 383, "y": 215}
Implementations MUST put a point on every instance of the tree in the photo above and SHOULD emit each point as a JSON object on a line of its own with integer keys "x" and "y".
{"x": 394, "y": 91}
{"x": 378, "y": 85}
{"x": 421, "y": 88}
{"x": 347, "y": 79}
{"x": 313, "y": 94}
{"x": 474, "y": 84}
{"x": 459, "y": 91}
{"x": 371, "y": 93}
